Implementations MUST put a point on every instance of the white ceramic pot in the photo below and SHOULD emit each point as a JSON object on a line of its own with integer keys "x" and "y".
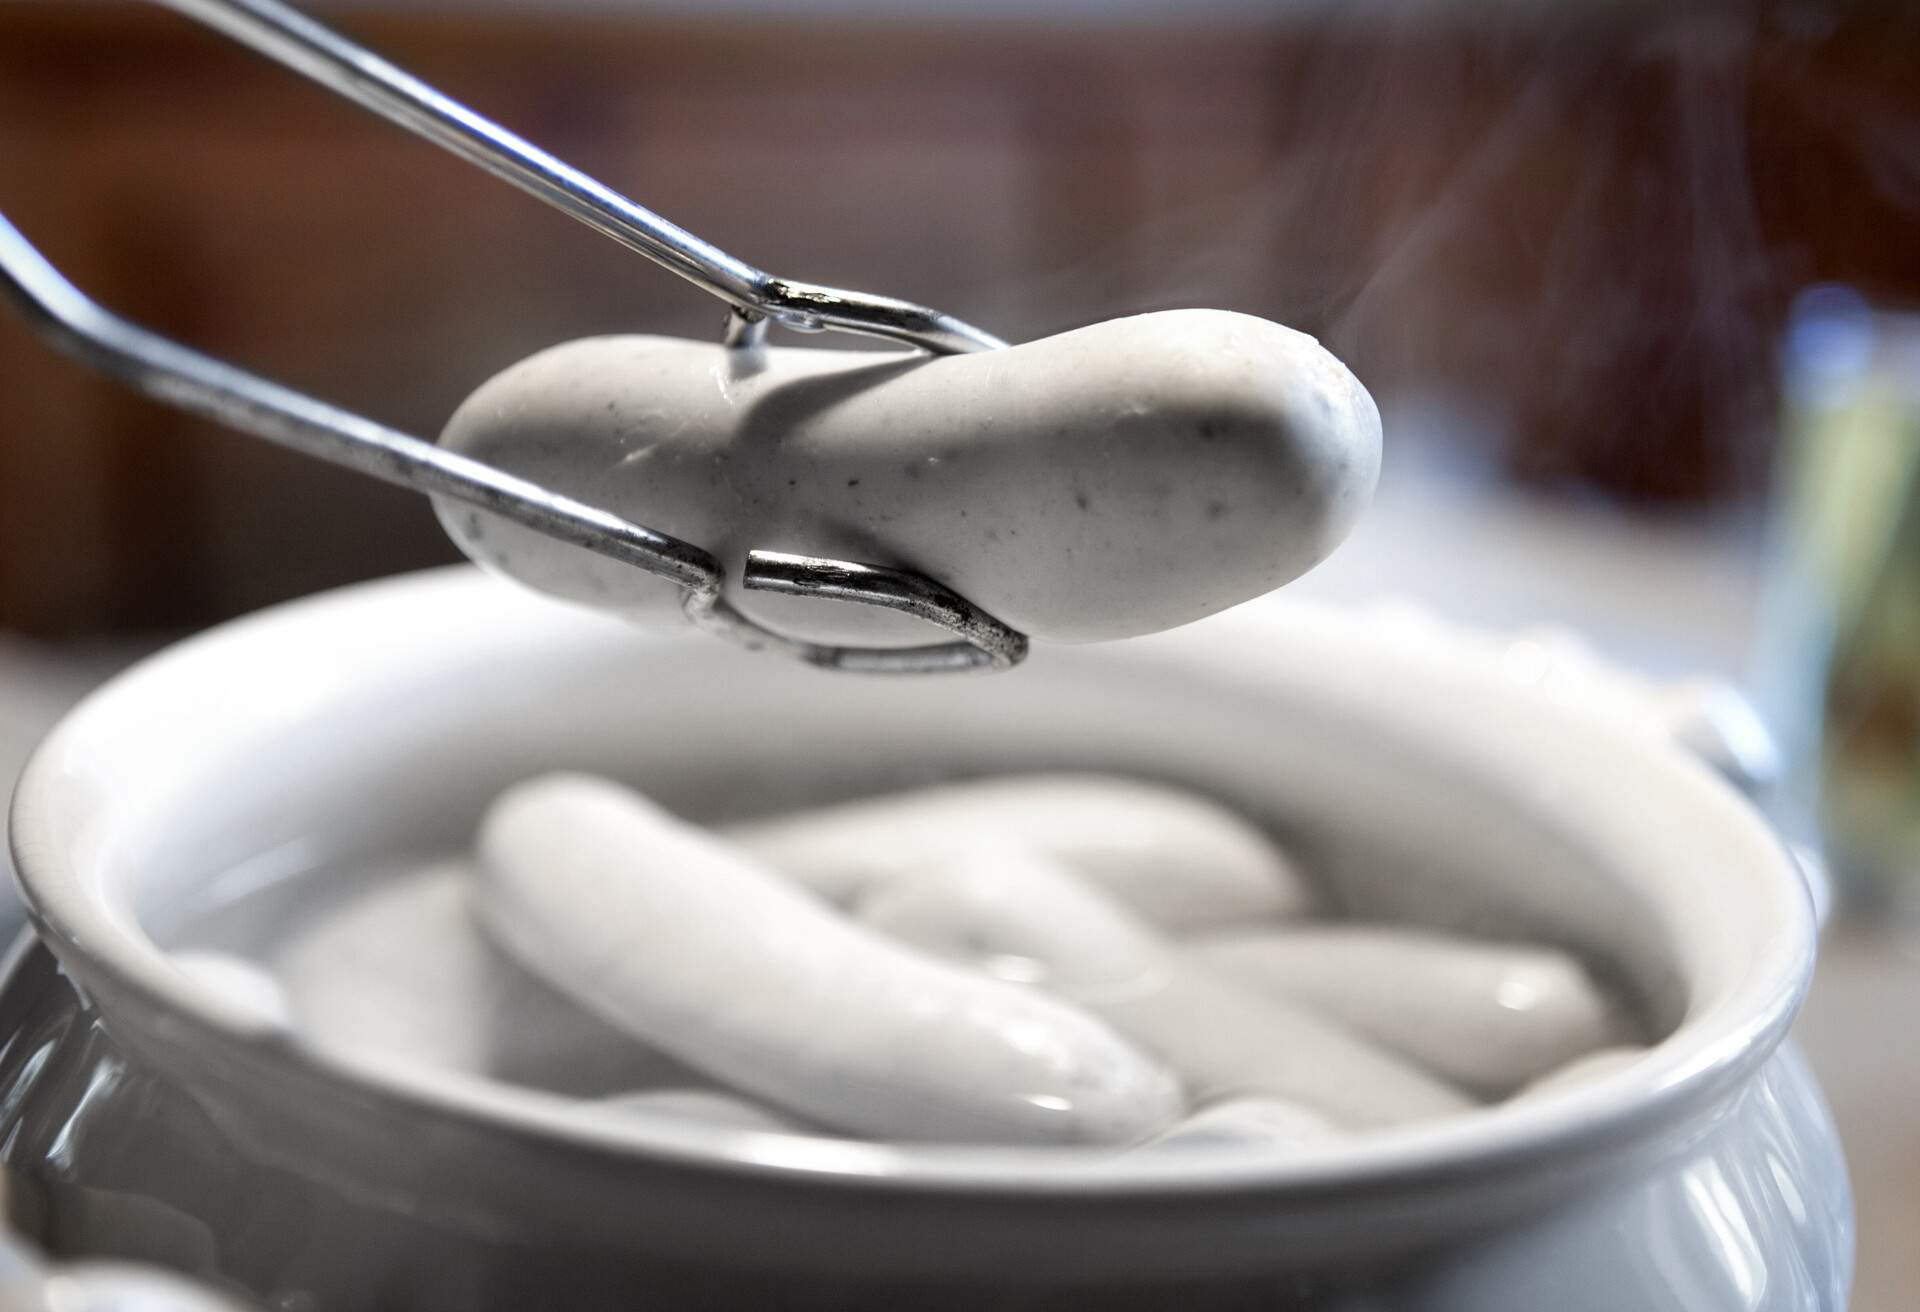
{"x": 1415, "y": 779}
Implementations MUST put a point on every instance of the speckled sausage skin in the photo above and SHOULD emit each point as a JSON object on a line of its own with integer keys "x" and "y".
{"x": 1111, "y": 481}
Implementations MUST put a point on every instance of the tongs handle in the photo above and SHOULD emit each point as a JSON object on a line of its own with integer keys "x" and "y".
{"x": 182, "y": 377}
{"x": 286, "y": 35}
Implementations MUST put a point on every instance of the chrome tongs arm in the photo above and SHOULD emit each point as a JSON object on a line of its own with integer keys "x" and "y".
{"x": 170, "y": 372}
{"x": 291, "y": 38}
{"x": 181, "y": 377}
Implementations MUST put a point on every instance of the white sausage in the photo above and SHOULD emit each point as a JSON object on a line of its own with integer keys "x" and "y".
{"x": 1223, "y": 1040}
{"x": 250, "y": 988}
{"x": 1226, "y": 1041}
{"x": 404, "y": 973}
{"x": 1487, "y": 1016}
{"x": 1110, "y": 481}
{"x": 1178, "y": 859}
{"x": 691, "y": 945}
{"x": 1019, "y": 916}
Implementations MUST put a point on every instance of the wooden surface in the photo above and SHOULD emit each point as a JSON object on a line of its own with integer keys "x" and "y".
{"x": 1576, "y": 226}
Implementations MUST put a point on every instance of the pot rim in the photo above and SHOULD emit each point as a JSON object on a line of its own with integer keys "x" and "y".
{"x": 121, "y": 968}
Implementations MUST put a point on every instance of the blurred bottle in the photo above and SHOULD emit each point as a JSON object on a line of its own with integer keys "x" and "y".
{"x": 1841, "y": 635}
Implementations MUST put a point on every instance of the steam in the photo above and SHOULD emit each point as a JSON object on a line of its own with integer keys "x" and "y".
{"x": 1548, "y": 213}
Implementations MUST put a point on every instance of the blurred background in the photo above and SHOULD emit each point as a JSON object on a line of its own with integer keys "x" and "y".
{"x": 1630, "y": 280}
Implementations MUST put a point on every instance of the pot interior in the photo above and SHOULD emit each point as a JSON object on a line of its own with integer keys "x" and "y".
{"x": 1410, "y": 781}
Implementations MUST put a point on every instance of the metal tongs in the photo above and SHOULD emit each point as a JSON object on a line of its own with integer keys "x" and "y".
{"x": 170, "y": 372}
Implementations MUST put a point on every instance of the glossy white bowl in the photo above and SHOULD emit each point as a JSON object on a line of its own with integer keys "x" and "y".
{"x": 1409, "y": 773}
